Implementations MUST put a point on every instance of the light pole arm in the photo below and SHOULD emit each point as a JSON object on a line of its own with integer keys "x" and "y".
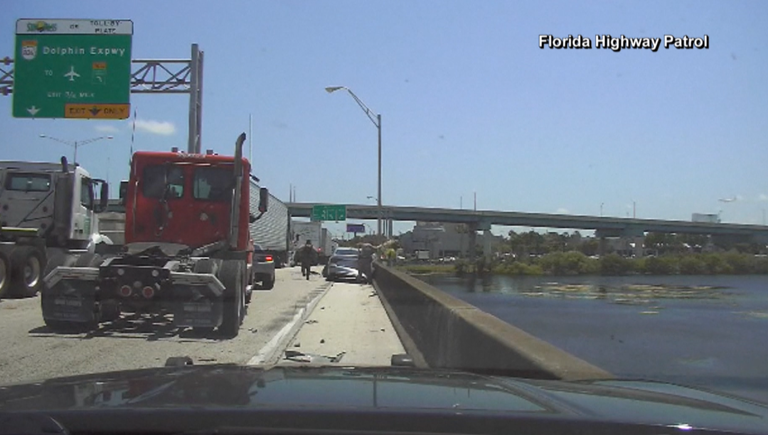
{"x": 368, "y": 112}
{"x": 94, "y": 139}
{"x": 65, "y": 142}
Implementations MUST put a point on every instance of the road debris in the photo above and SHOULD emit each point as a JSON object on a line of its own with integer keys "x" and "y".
{"x": 296, "y": 356}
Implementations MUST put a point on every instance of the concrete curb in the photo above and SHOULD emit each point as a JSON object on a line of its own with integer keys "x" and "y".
{"x": 271, "y": 353}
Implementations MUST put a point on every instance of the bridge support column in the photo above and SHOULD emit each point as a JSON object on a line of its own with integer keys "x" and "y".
{"x": 639, "y": 246}
{"x": 472, "y": 242}
{"x": 487, "y": 244}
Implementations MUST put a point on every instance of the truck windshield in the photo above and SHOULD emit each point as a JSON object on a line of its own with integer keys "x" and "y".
{"x": 158, "y": 178}
{"x": 212, "y": 184}
{"x": 28, "y": 182}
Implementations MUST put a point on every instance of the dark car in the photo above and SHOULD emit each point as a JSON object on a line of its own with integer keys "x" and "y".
{"x": 230, "y": 399}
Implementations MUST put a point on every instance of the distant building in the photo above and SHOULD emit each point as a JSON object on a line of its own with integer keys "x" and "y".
{"x": 440, "y": 239}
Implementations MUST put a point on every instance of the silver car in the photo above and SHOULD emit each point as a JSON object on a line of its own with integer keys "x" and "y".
{"x": 343, "y": 264}
{"x": 263, "y": 268}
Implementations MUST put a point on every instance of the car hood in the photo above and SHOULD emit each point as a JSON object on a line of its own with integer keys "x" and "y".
{"x": 389, "y": 388}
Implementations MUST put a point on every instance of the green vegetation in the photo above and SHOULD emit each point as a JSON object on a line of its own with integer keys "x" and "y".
{"x": 576, "y": 263}
{"x": 421, "y": 269}
{"x": 563, "y": 254}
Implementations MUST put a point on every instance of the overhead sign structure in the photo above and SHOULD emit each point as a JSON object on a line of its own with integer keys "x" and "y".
{"x": 72, "y": 69}
{"x": 329, "y": 213}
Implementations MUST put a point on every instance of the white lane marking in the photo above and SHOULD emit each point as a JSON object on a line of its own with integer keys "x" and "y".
{"x": 267, "y": 352}
{"x": 264, "y": 353}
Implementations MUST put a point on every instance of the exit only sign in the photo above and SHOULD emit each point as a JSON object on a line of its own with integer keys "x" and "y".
{"x": 72, "y": 68}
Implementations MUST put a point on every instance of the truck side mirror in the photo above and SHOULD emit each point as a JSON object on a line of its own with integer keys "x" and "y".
{"x": 104, "y": 196}
{"x": 263, "y": 199}
{"x": 123, "y": 192}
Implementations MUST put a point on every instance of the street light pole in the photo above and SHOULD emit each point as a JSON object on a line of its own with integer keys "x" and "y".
{"x": 377, "y": 122}
{"x": 378, "y": 196}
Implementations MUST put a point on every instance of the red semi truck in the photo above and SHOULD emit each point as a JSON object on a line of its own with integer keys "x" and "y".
{"x": 186, "y": 251}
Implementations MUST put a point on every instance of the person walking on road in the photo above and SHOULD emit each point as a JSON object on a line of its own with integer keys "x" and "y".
{"x": 365, "y": 261}
{"x": 307, "y": 257}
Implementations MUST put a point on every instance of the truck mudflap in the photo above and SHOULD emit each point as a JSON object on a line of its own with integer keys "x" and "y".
{"x": 72, "y": 307}
{"x": 201, "y": 313}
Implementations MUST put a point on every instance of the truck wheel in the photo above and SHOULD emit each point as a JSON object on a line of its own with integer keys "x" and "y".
{"x": 28, "y": 264}
{"x": 5, "y": 275}
{"x": 268, "y": 284}
{"x": 231, "y": 275}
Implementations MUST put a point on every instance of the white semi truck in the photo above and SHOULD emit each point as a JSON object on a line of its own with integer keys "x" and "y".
{"x": 319, "y": 236}
{"x": 46, "y": 210}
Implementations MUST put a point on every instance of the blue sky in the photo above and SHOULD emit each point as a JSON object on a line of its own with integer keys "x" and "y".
{"x": 469, "y": 101}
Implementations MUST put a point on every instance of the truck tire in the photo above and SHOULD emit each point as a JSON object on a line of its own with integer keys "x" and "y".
{"x": 206, "y": 265}
{"x": 231, "y": 275}
{"x": 57, "y": 260}
{"x": 5, "y": 275}
{"x": 268, "y": 284}
{"x": 88, "y": 260}
{"x": 28, "y": 264}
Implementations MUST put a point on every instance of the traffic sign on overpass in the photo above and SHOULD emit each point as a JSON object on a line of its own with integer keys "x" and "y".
{"x": 72, "y": 69}
{"x": 355, "y": 228}
{"x": 329, "y": 213}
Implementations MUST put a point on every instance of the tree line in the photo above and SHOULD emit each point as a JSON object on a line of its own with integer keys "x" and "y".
{"x": 534, "y": 243}
{"x": 577, "y": 263}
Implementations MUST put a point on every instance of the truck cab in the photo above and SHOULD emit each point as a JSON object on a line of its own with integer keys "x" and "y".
{"x": 187, "y": 251}
{"x": 45, "y": 209}
{"x": 183, "y": 199}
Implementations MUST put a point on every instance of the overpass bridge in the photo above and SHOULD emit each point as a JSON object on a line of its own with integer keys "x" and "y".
{"x": 481, "y": 220}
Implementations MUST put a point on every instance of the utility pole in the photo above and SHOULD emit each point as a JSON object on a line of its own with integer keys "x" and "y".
{"x": 250, "y": 140}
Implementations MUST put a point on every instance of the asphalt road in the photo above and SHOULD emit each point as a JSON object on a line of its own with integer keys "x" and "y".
{"x": 31, "y": 352}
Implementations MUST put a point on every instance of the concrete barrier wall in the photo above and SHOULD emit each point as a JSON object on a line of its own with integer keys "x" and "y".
{"x": 450, "y": 333}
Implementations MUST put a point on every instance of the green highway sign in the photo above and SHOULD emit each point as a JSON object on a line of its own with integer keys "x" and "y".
{"x": 72, "y": 69}
{"x": 329, "y": 213}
